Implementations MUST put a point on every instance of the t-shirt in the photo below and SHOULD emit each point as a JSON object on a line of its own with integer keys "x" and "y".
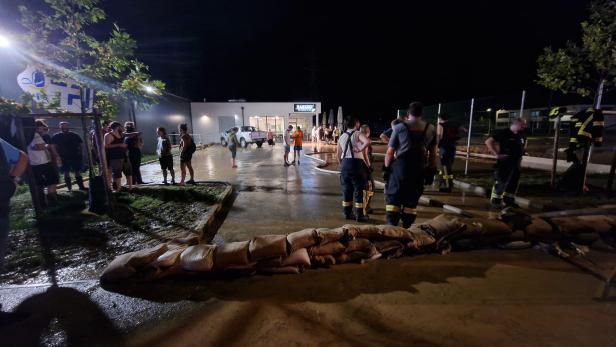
{"x": 510, "y": 144}
{"x": 400, "y": 138}
{"x": 298, "y": 138}
{"x": 11, "y": 154}
{"x": 287, "y": 137}
{"x": 388, "y": 132}
{"x": 451, "y": 133}
{"x": 163, "y": 147}
{"x": 37, "y": 157}
{"x": 68, "y": 145}
{"x": 356, "y": 144}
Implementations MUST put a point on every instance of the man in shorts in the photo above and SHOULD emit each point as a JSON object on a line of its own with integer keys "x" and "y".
{"x": 68, "y": 146}
{"x": 287, "y": 144}
{"x": 118, "y": 160}
{"x": 165, "y": 158}
{"x": 298, "y": 137}
{"x": 43, "y": 168}
{"x": 187, "y": 148}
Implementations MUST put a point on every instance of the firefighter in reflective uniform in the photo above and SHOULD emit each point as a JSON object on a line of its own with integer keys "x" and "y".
{"x": 508, "y": 146}
{"x": 447, "y": 133}
{"x": 587, "y": 128}
{"x": 353, "y": 170}
{"x": 405, "y": 166}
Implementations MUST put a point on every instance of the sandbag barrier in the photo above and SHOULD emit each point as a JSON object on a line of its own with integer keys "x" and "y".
{"x": 308, "y": 248}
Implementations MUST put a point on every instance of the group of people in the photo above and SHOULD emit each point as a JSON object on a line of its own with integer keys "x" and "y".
{"x": 413, "y": 146}
{"x": 327, "y": 134}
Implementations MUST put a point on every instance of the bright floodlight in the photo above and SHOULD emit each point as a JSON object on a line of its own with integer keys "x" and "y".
{"x": 149, "y": 89}
{"x": 4, "y": 41}
{"x": 489, "y": 110}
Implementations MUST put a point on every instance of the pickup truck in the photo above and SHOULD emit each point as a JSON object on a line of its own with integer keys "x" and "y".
{"x": 246, "y": 135}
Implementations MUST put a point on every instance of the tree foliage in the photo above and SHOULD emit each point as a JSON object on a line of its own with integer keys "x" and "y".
{"x": 580, "y": 68}
{"x": 59, "y": 41}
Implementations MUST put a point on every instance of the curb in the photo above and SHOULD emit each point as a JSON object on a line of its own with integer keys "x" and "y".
{"x": 204, "y": 226}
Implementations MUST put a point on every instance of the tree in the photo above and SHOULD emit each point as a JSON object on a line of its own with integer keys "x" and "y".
{"x": 58, "y": 40}
{"x": 588, "y": 67}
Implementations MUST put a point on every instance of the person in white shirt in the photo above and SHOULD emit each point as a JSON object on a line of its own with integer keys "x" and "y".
{"x": 45, "y": 173}
{"x": 353, "y": 170}
{"x": 287, "y": 144}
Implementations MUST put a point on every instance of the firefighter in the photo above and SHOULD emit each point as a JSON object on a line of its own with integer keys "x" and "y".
{"x": 353, "y": 171}
{"x": 448, "y": 132}
{"x": 508, "y": 146}
{"x": 405, "y": 166}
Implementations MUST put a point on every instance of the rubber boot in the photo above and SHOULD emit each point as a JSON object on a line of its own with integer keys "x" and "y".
{"x": 408, "y": 220}
{"x": 42, "y": 198}
{"x": 359, "y": 215}
{"x": 79, "y": 181}
{"x": 496, "y": 204}
{"x": 69, "y": 184}
{"x": 348, "y": 212}
{"x": 392, "y": 218}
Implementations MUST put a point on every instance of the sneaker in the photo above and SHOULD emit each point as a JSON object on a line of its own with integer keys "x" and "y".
{"x": 191, "y": 181}
{"x": 165, "y": 183}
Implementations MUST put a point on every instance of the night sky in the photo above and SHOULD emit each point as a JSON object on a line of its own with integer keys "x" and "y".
{"x": 370, "y": 57}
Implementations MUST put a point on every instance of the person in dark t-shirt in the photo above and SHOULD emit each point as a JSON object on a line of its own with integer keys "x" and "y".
{"x": 508, "y": 146}
{"x": 68, "y": 146}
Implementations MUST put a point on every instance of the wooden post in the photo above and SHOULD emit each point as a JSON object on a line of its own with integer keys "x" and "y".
{"x": 555, "y": 150}
{"x": 102, "y": 157}
{"x": 84, "y": 127}
{"x": 34, "y": 189}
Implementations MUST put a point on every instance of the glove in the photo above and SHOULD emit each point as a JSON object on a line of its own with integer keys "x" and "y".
{"x": 386, "y": 173}
{"x": 429, "y": 176}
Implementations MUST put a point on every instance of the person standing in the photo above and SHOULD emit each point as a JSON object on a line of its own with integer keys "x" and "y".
{"x": 448, "y": 133}
{"x": 405, "y": 163}
{"x": 336, "y": 135}
{"x": 508, "y": 146}
{"x": 270, "y": 137}
{"x": 287, "y": 144}
{"x": 134, "y": 144}
{"x": 13, "y": 163}
{"x": 69, "y": 147}
{"x": 43, "y": 168}
{"x": 165, "y": 158}
{"x": 298, "y": 138}
{"x": 349, "y": 153}
{"x": 116, "y": 155}
{"x": 187, "y": 148}
{"x": 368, "y": 159}
{"x": 233, "y": 143}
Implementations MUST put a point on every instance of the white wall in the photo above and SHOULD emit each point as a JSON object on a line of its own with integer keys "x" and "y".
{"x": 205, "y": 114}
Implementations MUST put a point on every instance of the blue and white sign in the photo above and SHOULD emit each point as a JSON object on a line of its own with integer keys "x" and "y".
{"x": 312, "y": 108}
{"x": 33, "y": 80}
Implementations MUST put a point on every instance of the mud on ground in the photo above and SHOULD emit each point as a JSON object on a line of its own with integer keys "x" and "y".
{"x": 68, "y": 243}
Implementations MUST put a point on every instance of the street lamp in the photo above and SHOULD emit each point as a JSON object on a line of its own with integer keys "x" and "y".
{"x": 4, "y": 42}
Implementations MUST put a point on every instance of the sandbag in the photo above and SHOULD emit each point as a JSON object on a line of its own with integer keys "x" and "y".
{"x": 364, "y": 231}
{"x": 358, "y": 245}
{"x": 198, "y": 258}
{"x": 442, "y": 225}
{"x": 516, "y": 218}
{"x": 297, "y": 258}
{"x": 352, "y": 257}
{"x": 323, "y": 260}
{"x": 570, "y": 226}
{"x": 126, "y": 265}
{"x": 302, "y": 239}
{"x": 328, "y": 248}
{"x": 270, "y": 262}
{"x": 183, "y": 242}
{"x": 420, "y": 238}
{"x": 540, "y": 230}
{"x": 599, "y": 223}
{"x": 494, "y": 227}
{"x": 389, "y": 248}
{"x": 169, "y": 258}
{"x": 394, "y": 232}
{"x": 267, "y": 246}
{"x": 326, "y": 235}
{"x": 232, "y": 254}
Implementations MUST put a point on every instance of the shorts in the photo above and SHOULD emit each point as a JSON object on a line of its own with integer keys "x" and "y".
{"x": 297, "y": 148}
{"x": 166, "y": 162}
{"x": 119, "y": 167}
{"x": 233, "y": 150}
{"x": 71, "y": 164}
{"x": 185, "y": 157}
{"x": 287, "y": 148}
{"x": 45, "y": 174}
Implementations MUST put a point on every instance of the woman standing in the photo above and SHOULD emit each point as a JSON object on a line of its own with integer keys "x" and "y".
{"x": 368, "y": 160}
{"x": 44, "y": 170}
{"x": 233, "y": 143}
{"x": 187, "y": 148}
{"x": 134, "y": 144}
{"x": 116, "y": 154}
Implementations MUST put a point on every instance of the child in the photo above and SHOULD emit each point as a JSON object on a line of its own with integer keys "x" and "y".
{"x": 165, "y": 158}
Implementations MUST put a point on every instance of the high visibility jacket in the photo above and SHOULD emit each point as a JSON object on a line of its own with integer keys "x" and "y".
{"x": 587, "y": 127}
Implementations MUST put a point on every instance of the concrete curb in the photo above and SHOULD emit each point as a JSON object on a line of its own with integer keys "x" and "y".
{"x": 203, "y": 227}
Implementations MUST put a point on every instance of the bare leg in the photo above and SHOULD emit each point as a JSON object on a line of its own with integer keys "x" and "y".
{"x": 118, "y": 183}
{"x": 190, "y": 170}
{"x": 165, "y": 176}
{"x": 172, "y": 175}
{"x": 129, "y": 180}
{"x": 183, "y": 175}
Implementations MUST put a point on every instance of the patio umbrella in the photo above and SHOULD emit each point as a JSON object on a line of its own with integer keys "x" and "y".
{"x": 331, "y": 117}
{"x": 324, "y": 118}
{"x": 339, "y": 117}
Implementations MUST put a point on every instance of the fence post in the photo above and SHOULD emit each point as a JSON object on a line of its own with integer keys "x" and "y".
{"x": 439, "y": 109}
{"x": 522, "y": 104}
{"x": 555, "y": 150}
{"x": 102, "y": 157}
{"x": 468, "y": 141}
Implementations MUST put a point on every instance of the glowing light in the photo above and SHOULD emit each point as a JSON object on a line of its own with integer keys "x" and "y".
{"x": 149, "y": 89}
{"x": 4, "y": 42}
{"x": 489, "y": 110}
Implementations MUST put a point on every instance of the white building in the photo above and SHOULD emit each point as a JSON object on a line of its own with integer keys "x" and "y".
{"x": 209, "y": 119}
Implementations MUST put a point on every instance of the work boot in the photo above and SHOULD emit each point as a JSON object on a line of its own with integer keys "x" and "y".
{"x": 359, "y": 215}
{"x": 348, "y": 212}
{"x": 408, "y": 220}
{"x": 510, "y": 202}
{"x": 392, "y": 218}
{"x": 496, "y": 204}
{"x": 79, "y": 181}
{"x": 444, "y": 190}
{"x": 69, "y": 185}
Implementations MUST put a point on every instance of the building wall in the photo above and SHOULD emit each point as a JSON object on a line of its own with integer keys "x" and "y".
{"x": 205, "y": 115}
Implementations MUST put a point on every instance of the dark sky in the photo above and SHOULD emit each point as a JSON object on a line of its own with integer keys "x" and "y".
{"x": 370, "y": 57}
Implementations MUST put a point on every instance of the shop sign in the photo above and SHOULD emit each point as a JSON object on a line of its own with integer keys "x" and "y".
{"x": 312, "y": 108}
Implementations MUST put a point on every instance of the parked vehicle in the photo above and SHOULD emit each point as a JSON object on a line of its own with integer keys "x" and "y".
{"x": 246, "y": 135}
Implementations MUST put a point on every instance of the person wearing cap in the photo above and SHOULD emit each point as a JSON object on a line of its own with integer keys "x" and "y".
{"x": 410, "y": 158}
{"x": 68, "y": 145}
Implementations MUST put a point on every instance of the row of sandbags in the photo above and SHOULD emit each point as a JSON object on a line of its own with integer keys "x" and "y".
{"x": 306, "y": 248}
{"x": 290, "y": 253}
